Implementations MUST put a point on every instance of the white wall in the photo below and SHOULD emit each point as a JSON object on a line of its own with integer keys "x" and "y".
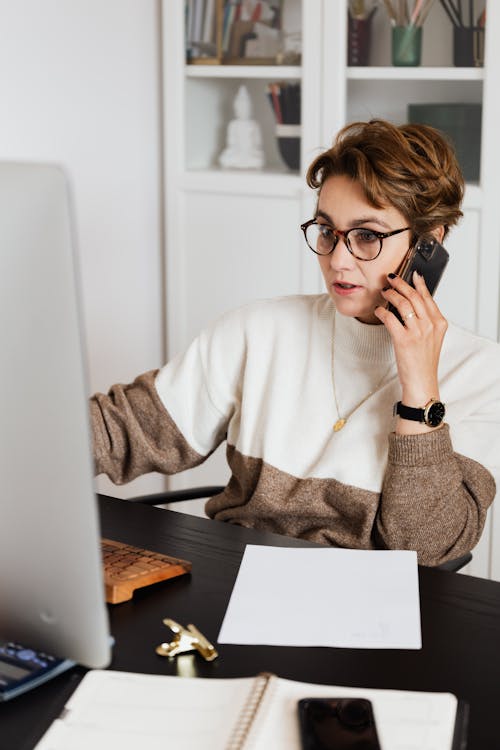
{"x": 79, "y": 85}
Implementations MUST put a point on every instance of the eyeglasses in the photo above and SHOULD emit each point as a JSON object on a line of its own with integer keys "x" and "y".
{"x": 364, "y": 244}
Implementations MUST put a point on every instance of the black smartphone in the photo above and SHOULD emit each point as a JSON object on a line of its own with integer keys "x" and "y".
{"x": 429, "y": 258}
{"x": 337, "y": 724}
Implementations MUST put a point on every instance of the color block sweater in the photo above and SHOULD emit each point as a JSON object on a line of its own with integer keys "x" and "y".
{"x": 262, "y": 377}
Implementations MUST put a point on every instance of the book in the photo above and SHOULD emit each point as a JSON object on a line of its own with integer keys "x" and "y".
{"x": 197, "y": 21}
{"x": 209, "y": 22}
{"x": 125, "y": 710}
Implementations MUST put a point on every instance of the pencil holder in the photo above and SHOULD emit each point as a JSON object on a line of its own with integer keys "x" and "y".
{"x": 406, "y": 45}
{"x": 288, "y": 138}
{"x": 468, "y": 47}
{"x": 359, "y": 37}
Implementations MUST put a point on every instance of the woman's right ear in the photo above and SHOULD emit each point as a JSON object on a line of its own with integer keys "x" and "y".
{"x": 438, "y": 233}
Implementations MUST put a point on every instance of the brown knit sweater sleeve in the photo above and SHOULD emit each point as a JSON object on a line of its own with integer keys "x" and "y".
{"x": 133, "y": 433}
{"x": 433, "y": 500}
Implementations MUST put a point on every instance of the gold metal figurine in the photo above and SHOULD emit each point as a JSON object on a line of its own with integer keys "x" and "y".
{"x": 186, "y": 639}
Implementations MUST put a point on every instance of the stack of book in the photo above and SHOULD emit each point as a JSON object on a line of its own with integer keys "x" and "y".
{"x": 233, "y": 31}
{"x": 285, "y": 101}
{"x": 201, "y": 30}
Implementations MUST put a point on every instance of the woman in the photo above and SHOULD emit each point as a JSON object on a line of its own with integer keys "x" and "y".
{"x": 303, "y": 388}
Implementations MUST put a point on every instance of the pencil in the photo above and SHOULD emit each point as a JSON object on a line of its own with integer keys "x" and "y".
{"x": 416, "y": 11}
{"x": 391, "y": 12}
{"x": 425, "y": 11}
{"x": 450, "y": 10}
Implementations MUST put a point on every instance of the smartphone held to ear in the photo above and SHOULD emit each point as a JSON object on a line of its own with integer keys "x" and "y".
{"x": 337, "y": 724}
{"x": 428, "y": 258}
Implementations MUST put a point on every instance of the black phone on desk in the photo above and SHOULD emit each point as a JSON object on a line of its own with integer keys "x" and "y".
{"x": 337, "y": 724}
{"x": 428, "y": 258}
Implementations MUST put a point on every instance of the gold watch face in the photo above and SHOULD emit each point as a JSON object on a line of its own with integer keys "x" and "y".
{"x": 434, "y": 413}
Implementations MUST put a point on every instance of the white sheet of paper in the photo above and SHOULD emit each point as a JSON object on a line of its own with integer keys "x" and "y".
{"x": 288, "y": 596}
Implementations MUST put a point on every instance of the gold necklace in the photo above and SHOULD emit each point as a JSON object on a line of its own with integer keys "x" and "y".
{"x": 341, "y": 421}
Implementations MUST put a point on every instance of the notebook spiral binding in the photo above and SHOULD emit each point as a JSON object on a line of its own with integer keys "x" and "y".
{"x": 247, "y": 716}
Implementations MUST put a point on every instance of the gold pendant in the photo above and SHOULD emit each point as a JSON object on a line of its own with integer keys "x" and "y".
{"x": 339, "y": 424}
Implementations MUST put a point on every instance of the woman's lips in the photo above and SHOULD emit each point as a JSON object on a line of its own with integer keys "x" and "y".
{"x": 344, "y": 289}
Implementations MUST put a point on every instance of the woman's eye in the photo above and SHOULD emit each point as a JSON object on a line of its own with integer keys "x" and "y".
{"x": 325, "y": 231}
{"x": 365, "y": 236}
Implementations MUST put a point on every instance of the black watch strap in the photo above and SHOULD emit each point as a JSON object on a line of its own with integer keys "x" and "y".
{"x": 409, "y": 412}
{"x": 432, "y": 414}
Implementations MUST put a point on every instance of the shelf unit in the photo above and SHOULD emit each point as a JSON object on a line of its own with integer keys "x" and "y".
{"x": 246, "y": 243}
{"x": 198, "y": 106}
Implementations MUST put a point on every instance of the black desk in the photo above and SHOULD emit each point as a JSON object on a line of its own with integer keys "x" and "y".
{"x": 460, "y": 629}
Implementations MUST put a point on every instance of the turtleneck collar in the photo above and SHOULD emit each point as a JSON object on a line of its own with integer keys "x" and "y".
{"x": 370, "y": 343}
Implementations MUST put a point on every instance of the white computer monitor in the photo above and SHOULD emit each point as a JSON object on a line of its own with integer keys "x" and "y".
{"x": 51, "y": 583}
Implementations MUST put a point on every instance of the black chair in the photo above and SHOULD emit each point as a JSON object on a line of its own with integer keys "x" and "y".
{"x": 195, "y": 493}
{"x": 175, "y": 496}
{"x": 457, "y": 564}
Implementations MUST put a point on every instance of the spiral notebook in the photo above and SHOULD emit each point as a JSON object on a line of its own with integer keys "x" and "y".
{"x": 127, "y": 710}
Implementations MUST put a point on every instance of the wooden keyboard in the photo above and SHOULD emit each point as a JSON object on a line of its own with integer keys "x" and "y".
{"x": 127, "y": 568}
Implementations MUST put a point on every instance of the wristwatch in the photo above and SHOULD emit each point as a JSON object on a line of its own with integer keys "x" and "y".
{"x": 432, "y": 414}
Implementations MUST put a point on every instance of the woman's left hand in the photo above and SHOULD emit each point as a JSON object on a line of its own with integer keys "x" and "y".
{"x": 417, "y": 343}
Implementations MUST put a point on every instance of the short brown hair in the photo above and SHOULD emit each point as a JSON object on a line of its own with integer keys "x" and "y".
{"x": 411, "y": 167}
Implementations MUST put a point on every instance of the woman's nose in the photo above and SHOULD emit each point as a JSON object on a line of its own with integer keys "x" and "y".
{"x": 340, "y": 255}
